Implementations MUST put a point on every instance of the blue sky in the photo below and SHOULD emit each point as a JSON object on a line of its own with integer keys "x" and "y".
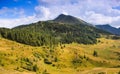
{"x": 17, "y": 6}
{"x": 18, "y": 12}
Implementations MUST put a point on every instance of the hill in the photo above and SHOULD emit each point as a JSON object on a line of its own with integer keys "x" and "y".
{"x": 72, "y": 58}
{"x": 50, "y": 33}
{"x": 107, "y": 27}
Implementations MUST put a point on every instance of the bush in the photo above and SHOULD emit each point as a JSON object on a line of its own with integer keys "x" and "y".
{"x": 45, "y": 72}
{"x": 37, "y": 55}
{"x": 76, "y": 61}
{"x": 95, "y": 53}
{"x": 102, "y": 73}
{"x": 35, "y": 68}
{"x": 56, "y": 59}
{"x": 47, "y": 61}
{"x": 119, "y": 72}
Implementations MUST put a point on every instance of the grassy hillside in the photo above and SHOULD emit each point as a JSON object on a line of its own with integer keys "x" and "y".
{"x": 65, "y": 58}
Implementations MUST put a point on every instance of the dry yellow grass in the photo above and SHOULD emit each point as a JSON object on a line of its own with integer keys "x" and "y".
{"x": 11, "y": 52}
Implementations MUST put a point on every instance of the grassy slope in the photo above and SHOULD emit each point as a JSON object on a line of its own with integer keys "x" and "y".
{"x": 71, "y": 58}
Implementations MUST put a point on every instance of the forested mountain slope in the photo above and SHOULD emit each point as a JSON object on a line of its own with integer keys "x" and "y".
{"x": 107, "y": 27}
{"x": 51, "y": 33}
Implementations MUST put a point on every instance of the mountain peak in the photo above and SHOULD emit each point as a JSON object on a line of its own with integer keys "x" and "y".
{"x": 68, "y": 19}
{"x": 62, "y": 15}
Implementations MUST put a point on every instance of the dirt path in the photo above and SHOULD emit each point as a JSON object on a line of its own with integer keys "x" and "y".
{"x": 3, "y": 71}
{"x": 101, "y": 71}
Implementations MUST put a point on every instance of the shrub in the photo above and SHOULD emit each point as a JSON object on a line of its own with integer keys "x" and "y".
{"x": 35, "y": 68}
{"x": 95, "y": 53}
{"x": 102, "y": 73}
{"x": 76, "y": 61}
{"x": 37, "y": 55}
{"x": 119, "y": 72}
{"x": 56, "y": 59}
{"x": 45, "y": 72}
{"x": 47, "y": 61}
{"x": 53, "y": 65}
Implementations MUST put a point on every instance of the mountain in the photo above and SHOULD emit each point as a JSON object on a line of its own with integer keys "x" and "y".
{"x": 68, "y": 19}
{"x": 109, "y": 28}
{"x": 47, "y": 33}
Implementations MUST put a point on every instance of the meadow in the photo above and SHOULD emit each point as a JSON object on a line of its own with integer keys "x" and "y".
{"x": 100, "y": 58}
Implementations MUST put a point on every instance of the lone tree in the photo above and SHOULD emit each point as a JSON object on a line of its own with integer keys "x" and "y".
{"x": 35, "y": 68}
{"x": 95, "y": 53}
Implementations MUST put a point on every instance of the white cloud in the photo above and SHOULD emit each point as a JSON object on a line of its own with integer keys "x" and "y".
{"x": 7, "y": 12}
{"x": 93, "y": 11}
{"x": 64, "y": 13}
{"x": 96, "y": 18}
{"x": 20, "y": 17}
{"x": 42, "y": 12}
{"x": 9, "y": 23}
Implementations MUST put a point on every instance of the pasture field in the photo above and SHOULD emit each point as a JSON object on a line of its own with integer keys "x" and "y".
{"x": 100, "y": 58}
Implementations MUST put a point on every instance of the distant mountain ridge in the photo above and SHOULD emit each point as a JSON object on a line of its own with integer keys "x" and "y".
{"x": 107, "y": 27}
